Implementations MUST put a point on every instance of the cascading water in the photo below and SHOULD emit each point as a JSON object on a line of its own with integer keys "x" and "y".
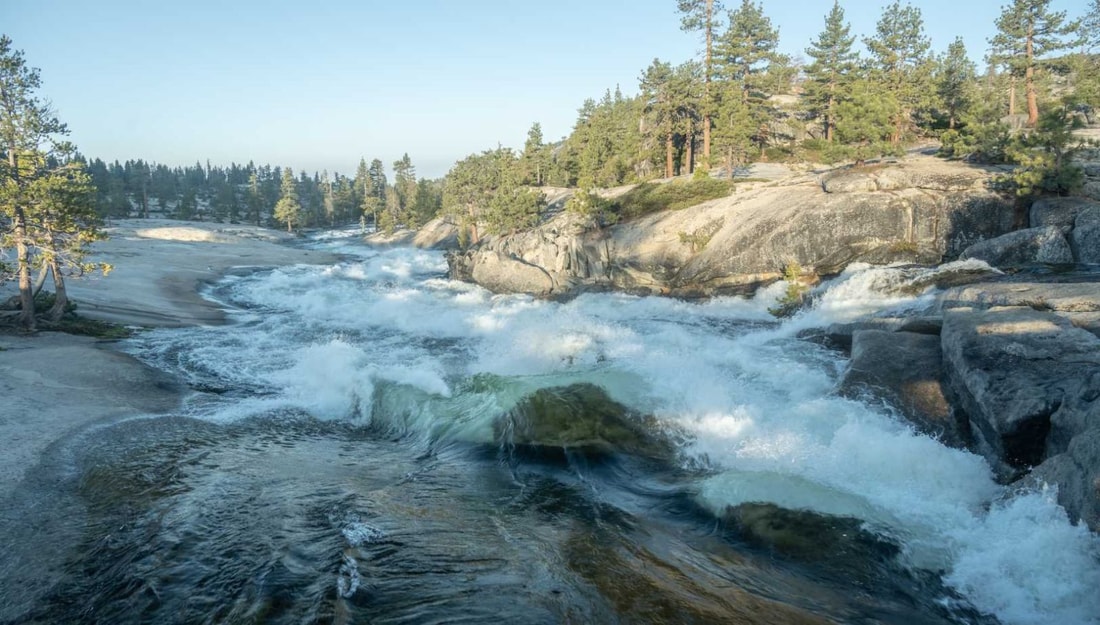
{"x": 343, "y": 462}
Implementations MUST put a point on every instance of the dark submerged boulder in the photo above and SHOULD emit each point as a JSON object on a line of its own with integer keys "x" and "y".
{"x": 580, "y": 418}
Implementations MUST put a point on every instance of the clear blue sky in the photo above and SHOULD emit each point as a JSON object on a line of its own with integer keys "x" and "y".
{"x": 317, "y": 85}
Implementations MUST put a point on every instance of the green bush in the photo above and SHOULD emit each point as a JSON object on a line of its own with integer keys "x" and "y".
{"x": 650, "y": 197}
{"x": 591, "y": 205}
{"x": 698, "y": 238}
{"x": 793, "y": 298}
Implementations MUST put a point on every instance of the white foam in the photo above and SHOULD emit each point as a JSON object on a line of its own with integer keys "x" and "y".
{"x": 759, "y": 403}
{"x": 358, "y": 533}
{"x": 1025, "y": 563}
{"x": 331, "y": 381}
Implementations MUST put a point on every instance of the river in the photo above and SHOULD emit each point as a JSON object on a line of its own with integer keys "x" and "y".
{"x": 342, "y": 460}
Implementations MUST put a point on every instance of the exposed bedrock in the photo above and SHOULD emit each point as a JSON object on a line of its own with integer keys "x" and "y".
{"x": 912, "y": 212}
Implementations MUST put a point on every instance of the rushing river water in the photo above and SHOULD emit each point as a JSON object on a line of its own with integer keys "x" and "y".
{"x": 342, "y": 460}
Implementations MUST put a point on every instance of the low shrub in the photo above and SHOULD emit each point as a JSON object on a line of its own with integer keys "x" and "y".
{"x": 651, "y": 197}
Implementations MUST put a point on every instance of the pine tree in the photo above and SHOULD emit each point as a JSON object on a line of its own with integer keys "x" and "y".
{"x": 1028, "y": 30}
{"x": 328, "y": 201}
{"x": 955, "y": 81}
{"x": 534, "y": 156}
{"x": 1090, "y": 27}
{"x": 404, "y": 183}
{"x": 656, "y": 84}
{"x": 834, "y": 67}
{"x": 865, "y": 121}
{"x": 288, "y": 209}
{"x": 687, "y": 92}
{"x": 429, "y": 199}
{"x": 255, "y": 202}
{"x": 33, "y": 152}
{"x": 901, "y": 62}
{"x": 703, "y": 16}
{"x": 748, "y": 62}
{"x": 65, "y": 221}
{"x": 485, "y": 193}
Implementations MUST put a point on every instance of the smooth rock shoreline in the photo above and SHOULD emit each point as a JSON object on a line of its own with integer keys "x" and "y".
{"x": 57, "y": 387}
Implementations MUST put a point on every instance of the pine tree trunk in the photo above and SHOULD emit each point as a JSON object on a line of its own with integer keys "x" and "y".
{"x": 61, "y": 299}
{"x": 668, "y": 155}
{"x": 829, "y": 118}
{"x": 23, "y": 255}
{"x": 22, "y": 250}
{"x": 706, "y": 85}
{"x": 1029, "y": 83}
{"x": 691, "y": 152}
{"x": 1012, "y": 95}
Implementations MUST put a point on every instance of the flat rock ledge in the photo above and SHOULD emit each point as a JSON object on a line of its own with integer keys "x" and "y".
{"x": 1011, "y": 370}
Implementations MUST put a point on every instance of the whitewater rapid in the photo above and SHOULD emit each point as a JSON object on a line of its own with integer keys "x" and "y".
{"x": 385, "y": 339}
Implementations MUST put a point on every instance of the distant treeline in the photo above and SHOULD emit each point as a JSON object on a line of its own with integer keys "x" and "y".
{"x": 249, "y": 193}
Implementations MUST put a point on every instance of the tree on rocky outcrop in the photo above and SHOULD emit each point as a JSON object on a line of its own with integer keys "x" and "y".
{"x": 833, "y": 68}
{"x": 752, "y": 69}
{"x": 46, "y": 200}
{"x": 656, "y": 84}
{"x": 484, "y": 193}
{"x": 982, "y": 135}
{"x": 688, "y": 92}
{"x": 1044, "y": 156}
{"x": 703, "y": 16}
{"x": 63, "y": 218}
{"x": 288, "y": 209}
{"x": 429, "y": 199}
{"x": 901, "y": 64}
{"x": 956, "y": 75}
{"x": 606, "y": 141}
{"x": 404, "y": 184}
{"x": 865, "y": 122}
{"x": 1084, "y": 67}
{"x": 1027, "y": 30}
{"x": 535, "y": 156}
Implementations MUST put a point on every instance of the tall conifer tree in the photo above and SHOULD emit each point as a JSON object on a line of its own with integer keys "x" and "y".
{"x": 955, "y": 80}
{"x": 833, "y": 68}
{"x": 748, "y": 62}
{"x": 1027, "y": 30}
{"x": 288, "y": 209}
{"x": 901, "y": 62}
{"x": 703, "y": 16}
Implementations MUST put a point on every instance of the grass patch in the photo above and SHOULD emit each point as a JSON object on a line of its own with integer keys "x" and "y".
{"x": 71, "y": 324}
{"x": 651, "y": 197}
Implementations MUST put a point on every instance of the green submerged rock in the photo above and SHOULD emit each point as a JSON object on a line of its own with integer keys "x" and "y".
{"x": 582, "y": 418}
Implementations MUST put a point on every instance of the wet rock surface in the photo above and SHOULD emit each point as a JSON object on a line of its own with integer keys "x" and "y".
{"x": 906, "y": 369}
{"x": 1028, "y": 381}
{"x": 581, "y": 418}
